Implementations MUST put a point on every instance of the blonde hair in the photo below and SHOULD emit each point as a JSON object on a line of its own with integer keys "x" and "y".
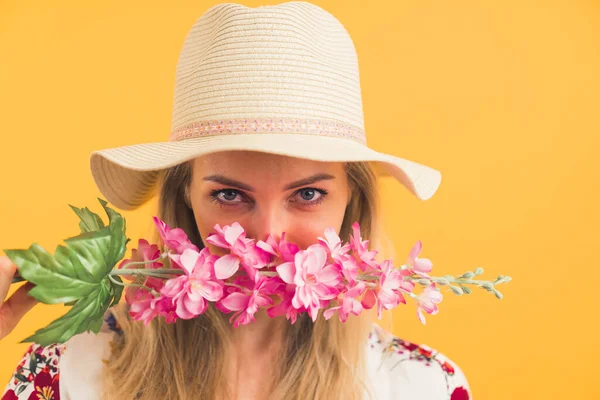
{"x": 323, "y": 360}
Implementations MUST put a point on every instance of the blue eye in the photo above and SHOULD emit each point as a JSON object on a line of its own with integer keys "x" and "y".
{"x": 311, "y": 196}
{"x": 226, "y": 197}
{"x": 308, "y": 194}
{"x": 233, "y": 197}
{"x": 229, "y": 194}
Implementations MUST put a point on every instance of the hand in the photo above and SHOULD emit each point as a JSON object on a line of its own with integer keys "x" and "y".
{"x": 14, "y": 308}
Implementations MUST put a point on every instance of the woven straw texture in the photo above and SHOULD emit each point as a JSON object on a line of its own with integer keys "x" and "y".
{"x": 281, "y": 79}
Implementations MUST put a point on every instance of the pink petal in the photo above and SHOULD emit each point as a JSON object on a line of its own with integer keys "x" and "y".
{"x": 277, "y": 310}
{"x": 182, "y": 311}
{"x": 356, "y": 291}
{"x": 356, "y": 307}
{"x": 415, "y": 251}
{"x": 304, "y": 295}
{"x": 320, "y": 255}
{"x": 211, "y": 291}
{"x": 407, "y": 286}
{"x": 393, "y": 280}
{"x": 218, "y": 241}
{"x": 263, "y": 301}
{"x": 421, "y": 316}
{"x": 324, "y": 292}
{"x": 266, "y": 247}
{"x": 332, "y": 236}
{"x": 287, "y": 249}
{"x": 330, "y": 311}
{"x": 235, "y": 301}
{"x": 422, "y": 265}
{"x": 296, "y": 303}
{"x": 226, "y": 266}
{"x": 287, "y": 271}
{"x": 313, "y": 311}
{"x": 232, "y": 233}
{"x": 188, "y": 260}
{"x": 196, "y": 307}
{"x": 329, "y": 275}
{"x": 388, "y": 298}
{"x": 369, "y": 299}
{"x": 173, "y": 286}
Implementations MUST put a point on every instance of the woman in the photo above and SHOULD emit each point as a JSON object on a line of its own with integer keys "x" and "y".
{"x": 267, "y": 131}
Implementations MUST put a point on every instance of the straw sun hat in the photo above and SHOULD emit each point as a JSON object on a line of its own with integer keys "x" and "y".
{"x": 280, "y": 79}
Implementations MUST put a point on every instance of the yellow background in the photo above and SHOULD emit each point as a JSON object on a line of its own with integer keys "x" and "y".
{"x": 501, "y": 96}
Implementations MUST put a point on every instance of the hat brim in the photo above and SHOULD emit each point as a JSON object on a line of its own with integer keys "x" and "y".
{"x": 127, "y": 175}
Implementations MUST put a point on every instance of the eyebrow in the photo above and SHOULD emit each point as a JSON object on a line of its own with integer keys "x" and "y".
{"x": 239, "y": 185}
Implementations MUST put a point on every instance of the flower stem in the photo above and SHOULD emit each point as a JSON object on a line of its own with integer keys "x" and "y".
{"x": 158, "y": 272}
{"x": 235, "y": 285}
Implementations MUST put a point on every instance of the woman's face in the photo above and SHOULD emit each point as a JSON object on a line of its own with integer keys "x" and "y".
{"x": 268, "y": 193}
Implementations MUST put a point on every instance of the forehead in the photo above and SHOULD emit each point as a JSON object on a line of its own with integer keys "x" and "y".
{"x": 251, "y": 164}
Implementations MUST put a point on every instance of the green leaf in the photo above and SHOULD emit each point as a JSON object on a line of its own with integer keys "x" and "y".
{"x": 55, "y": 283}
{"x": 86, "y": 314}
{"x": 21, "y": 389}
{"x": 90, "y": 221}
{"x": 117, "y": 291}
{"x": 77, "y": 274}
{"x": 119, "y": 240}
{"x": 88, "y": 252}
{"x": 76, "y": 269}
{"x": 21, "y": 377}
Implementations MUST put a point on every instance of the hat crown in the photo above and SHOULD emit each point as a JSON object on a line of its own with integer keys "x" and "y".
{"x": 290, "y": 67}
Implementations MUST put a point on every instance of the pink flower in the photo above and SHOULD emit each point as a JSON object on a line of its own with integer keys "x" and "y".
{"x": 315, "y": 281}
{"x": 420, "y": 266}
{"x": 247, "y": 302}
{"x": 334, "y": 244}
{"x": 282, "y": 249}
{"x": 338, "y": 251}
{"x": 140, "y": 306}
{"x": 305, "y": 280}
{"x": 150, "y": 282}
{"x": 285, "y": 307}
{"x": 349, "y": 267}
{"x": 348, "y": 303}
{"x": 361, "y": 247}
{"x": 175, "y": 239}
{"x": 141, "y": 301}
{"x": 144, "y": 306}
{"x": 388, "y": 293}
{"x": 242, "y": 250}
{"x": 165, "y": 308}
{"x": 144, "y": 252}
{"x": 190, "y": 292}
{"x": 427, "y": 301}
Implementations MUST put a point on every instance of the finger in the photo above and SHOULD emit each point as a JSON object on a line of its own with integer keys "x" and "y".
{"x": 7, "y": 271}
{"x": 17, "y": 305}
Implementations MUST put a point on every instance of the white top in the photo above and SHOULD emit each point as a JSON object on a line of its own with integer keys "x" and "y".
{"x": 398, "y": 369}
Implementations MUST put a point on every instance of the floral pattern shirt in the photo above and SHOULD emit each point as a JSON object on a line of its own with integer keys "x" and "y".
{"x": 398, "y": 369}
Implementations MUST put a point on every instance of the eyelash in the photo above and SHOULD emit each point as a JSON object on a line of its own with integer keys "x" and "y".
{"x": 215, "y": 193}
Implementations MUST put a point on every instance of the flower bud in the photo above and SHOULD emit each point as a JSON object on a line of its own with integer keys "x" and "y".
{"x": 468, "y": 275}
{"x": 478, "y": 271}
{"x": 456, "y": 290}
{"x": 442, "y": 281}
